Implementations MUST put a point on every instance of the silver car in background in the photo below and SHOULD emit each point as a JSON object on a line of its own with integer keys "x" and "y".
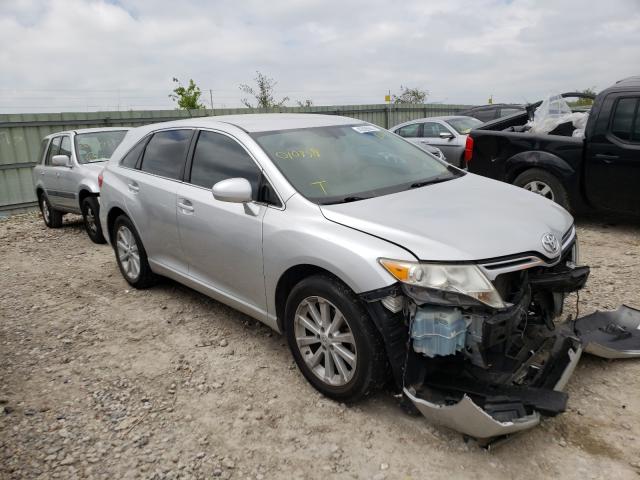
{"x": 380, "y": 263}
{"x": 448, "y": 133}
{"x": 66, "y": 175}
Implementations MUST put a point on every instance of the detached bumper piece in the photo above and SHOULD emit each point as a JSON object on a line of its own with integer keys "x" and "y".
{"x": 613, "y": 334}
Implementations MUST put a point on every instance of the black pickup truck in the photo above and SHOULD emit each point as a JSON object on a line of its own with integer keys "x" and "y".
{"x": 600, "y": 171}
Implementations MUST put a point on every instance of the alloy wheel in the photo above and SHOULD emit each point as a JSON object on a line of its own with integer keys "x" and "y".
{"x": 90, "y": 220}
{"x": 44, "y": 206}
{"x": 325, "y": 341}
{"x": 541, "y": 188}
{"x": 128, "y": 254}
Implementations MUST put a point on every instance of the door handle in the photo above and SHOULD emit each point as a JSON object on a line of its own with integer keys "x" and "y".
{"x": 133, "y": 187}
{"x": 185, "y": 205}
{"x": 607, "y": 158}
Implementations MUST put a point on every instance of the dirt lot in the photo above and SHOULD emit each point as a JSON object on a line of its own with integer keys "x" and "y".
{"x": 102, "y": 381}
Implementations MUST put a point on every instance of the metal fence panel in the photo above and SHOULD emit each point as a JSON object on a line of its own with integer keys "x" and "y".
{"x": 21, "y": 134}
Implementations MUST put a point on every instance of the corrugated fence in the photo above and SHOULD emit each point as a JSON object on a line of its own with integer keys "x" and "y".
{"x": 21, "y": 134}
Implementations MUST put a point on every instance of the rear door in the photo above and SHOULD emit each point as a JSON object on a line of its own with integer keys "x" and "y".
{"x": 612, "y": 171}
{"x": 222, "y": 241}
{"x": 151, "y": 196}
{"x": 411, "y": 132}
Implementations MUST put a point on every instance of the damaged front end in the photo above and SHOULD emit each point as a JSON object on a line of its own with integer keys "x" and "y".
{"x": 483, "y": 364}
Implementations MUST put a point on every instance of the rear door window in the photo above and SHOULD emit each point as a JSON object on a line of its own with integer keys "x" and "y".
{"x": 130, "y": 160}
{"x": 166, "y": 153}
{"x": 54, "y": 148}
{"x": 485, "y": 114}
{"x": 625, "y": 123}
{"x": 409, "y": 131}
{"x": 218, "y": 157}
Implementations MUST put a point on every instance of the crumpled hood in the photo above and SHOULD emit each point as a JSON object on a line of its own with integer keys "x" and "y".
{"x": 468, "y": 218}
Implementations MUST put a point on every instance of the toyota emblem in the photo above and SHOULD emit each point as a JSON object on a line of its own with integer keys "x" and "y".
{"x": 550, "y": 243}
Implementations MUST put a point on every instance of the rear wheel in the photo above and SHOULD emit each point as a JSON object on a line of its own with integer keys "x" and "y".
{"x": 333, "y": 340}
{"x": 52, "y": 218}
{"x": 131, "y": 255}
{"x": 90, "y": 210}
{"x": 543, "y": 183}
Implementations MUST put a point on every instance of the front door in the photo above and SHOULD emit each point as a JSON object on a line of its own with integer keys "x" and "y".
{"x": 50, "y": 174}
{"x": 67, "y": 178}
{"x": 613, "y": 156}
{"x": 431, "y": 135}
{"x": 222, "y": 241}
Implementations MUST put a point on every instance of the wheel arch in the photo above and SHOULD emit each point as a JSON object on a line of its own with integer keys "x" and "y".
{"x": 524, "y": 161}
{"x": 84, "y": 193}
{"x": 289, "y": 279}
{"x": 114, "y": 213}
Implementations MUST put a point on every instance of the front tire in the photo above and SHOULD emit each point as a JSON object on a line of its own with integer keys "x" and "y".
{"x": 333, "y": 341}
{"x": 543, "y": 183}
{"x": 131, "y": 255}
{"x": 52, "y": 218}
{"x": 90, "y": 210}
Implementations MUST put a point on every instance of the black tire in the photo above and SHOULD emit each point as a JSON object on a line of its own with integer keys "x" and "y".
{"x": 52, "y": 218}
{"x": 90, "y": 213}
{"x": 557, "y": 192}
{"x": 371, "y": 370}
{"x": 144, "y": 277}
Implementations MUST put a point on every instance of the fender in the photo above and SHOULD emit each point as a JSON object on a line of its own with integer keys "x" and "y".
{"x": 554, "y": 164}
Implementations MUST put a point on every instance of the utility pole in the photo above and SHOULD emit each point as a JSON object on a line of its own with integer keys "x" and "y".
{"x": 211, "y": 98}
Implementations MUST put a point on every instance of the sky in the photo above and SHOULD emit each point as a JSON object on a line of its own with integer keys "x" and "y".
{"x": 91, "y": 55}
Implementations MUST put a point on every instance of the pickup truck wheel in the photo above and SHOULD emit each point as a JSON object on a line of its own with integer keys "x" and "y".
{"x": 333, "y": 340}
{"x": 52, "y": 218}
{"x": 545, "y": 184}
{"x": 90, "y": 210}
{"x": 131, "y": 255}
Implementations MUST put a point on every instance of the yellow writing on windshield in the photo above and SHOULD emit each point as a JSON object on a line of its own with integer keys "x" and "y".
{"x": 321, "y": 185}
{"x": 305, "y": 153}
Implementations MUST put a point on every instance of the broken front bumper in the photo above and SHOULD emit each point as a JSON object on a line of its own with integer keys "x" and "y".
{"x": 469, "y": 418}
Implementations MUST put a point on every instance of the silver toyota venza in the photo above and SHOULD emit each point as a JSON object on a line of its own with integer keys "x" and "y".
{"x": 381, "y": 264}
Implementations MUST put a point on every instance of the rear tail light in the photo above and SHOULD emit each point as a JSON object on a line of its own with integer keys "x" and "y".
{"x": 468, "y": 149}
{"x": 100, "y": 181}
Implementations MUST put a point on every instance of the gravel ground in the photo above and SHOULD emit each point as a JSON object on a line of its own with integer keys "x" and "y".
{"x": 102, "y": 381}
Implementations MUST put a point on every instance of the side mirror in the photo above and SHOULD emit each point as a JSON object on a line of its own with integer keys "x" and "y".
{"x": 234, "y": 190}
{"x": 446, "y": 135}
{"x": 61, "y": 161}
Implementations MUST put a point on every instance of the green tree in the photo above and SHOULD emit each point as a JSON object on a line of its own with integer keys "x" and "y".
{"x": 305, "y": 103}
{"x": 186, "y": 98}
{"x": 410, "y": 95}
{"x": 263, "y": 93}
{"x": 584, "y": 102}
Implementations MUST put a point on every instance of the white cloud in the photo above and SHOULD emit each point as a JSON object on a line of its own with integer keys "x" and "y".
{"x": 89, "y": 55}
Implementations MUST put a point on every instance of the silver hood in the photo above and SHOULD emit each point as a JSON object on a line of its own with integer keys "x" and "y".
{"x": 468, "y": 218}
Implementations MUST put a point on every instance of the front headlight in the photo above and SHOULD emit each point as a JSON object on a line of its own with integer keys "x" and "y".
{"x": 465, "y": 279}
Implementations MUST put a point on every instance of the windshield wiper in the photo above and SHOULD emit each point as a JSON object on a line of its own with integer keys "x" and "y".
{"x": 431, "y": 181}
{"x": 353, "y": 198}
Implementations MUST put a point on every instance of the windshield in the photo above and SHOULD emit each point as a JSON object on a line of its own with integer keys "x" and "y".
{"x": 97, "y": 146}
{"x": 464, "y": 125}
{"x": 350, "y": 162}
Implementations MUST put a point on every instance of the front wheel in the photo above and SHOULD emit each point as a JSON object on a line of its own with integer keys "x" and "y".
{"x": 333, "y": 340}
{"x": 52, "y": 218}
{"x": 90, "y": 211}
{"x": 543, "y": 183}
